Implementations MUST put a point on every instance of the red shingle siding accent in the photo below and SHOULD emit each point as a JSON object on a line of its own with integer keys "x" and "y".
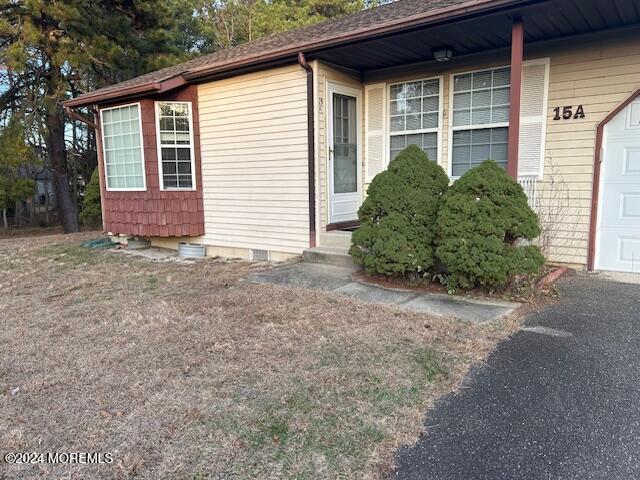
{"x": 155, "y": 212}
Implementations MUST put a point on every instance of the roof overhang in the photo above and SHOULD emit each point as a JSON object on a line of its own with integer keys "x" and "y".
{"x": 267, "y": 59}
{"x": 150, "y": 88}
{"x": 444, "y": 15}
{"x": 475, "y": 27}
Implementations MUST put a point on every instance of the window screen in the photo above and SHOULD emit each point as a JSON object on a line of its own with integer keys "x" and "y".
{"x": 122, "y": 148}
{"x": 480, "y": 118}
{"x": 414, "y": 115}
{"x": 472, "y": 147}
{"x": 481, "y": 98}
{"x": 345, "y": 146}
{"x": 174, "y": 132}
{"x": 426, "y": 141}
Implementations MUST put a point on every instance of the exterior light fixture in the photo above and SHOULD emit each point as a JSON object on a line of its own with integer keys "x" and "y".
{"x": 443, "y": 54}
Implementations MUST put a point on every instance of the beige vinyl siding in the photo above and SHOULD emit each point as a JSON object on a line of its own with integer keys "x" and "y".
{"x": 598, "y": 74}
{"x": 253, "y": 135}
{"x": 254, "y": 143}
{"x": 324, "y": 74}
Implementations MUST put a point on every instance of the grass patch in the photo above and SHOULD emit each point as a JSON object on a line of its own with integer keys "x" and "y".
{"x": 76, "y": 254}
{"x": 185, "y": 371}
{"x": 334, "y": 413}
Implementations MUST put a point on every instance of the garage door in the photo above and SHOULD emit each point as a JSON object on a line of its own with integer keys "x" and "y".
{"x": 619, "y": 232}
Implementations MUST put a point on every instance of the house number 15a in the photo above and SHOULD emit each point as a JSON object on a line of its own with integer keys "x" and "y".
{"x": 565, "y": 113}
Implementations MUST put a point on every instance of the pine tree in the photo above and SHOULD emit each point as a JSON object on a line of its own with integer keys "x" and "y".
{"x": 91, "y": 214}
{"x": 226, "y": 23}
{"x": 14, "y": 152}
{"x": 54, "y": 48}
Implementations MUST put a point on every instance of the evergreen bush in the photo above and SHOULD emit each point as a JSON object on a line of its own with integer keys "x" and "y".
{"x": 398, "y": 217}
{"x": 91, "y": 214}
{"x": 482, "y": 222}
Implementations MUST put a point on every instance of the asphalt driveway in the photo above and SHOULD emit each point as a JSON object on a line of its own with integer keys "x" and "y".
{"x": 560, "y": 400}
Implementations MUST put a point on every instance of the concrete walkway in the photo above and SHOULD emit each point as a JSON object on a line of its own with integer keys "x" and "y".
{"x": 559, "y": 400}
{"x": 339, "y": 280}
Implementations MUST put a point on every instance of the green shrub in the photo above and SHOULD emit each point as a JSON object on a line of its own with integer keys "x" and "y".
{"x": 482, "y": 220}
{"x": 398, "y": 217}
{"x": 91, "y": 214}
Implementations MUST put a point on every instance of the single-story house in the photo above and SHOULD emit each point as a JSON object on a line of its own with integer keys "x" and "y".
{"x": 266, "y": 149}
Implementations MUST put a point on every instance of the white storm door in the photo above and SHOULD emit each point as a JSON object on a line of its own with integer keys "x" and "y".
{"x": 344, "y": 166}
{"x": 619, "y": 229}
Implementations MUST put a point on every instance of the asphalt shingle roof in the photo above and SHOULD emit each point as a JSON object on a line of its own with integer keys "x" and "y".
{"x": 251, "y": 52}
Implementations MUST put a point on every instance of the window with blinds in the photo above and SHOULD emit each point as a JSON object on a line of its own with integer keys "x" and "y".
{"x": 175, "y": 144}
{"x": 414, "y": 116}
{"x": 122, "y": 147}
{"x": 480, "y": 118}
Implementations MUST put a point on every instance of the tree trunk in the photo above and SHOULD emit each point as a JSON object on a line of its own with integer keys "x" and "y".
{"x": 18, "y": 212}
{"x": 67, "y": 208}
{"x": 47, "y": 203}
{"x": 32, "y": 207}
{"x": 4, "y": 219}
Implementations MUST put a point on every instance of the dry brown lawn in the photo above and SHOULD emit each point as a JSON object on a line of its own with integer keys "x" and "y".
{"x": 14, "y": 232}
{"x": 185, "y": 371}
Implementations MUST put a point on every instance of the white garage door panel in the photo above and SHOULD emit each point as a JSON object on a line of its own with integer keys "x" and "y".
{"x": 634, "y": 115}
{"x": 630, "y": 207}
{"x": 620, "y": 207}
{"x": 631, "y": 161}
{"x": 619, "y": 230}
{"x": 630, "y": 250}
{"x": 620, "y": 251}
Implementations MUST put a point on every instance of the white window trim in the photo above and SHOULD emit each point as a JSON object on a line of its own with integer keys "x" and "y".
{"x": 437, "y": 130}
{"x": 467, "y": 127}
{"x": 104, "y": 153}
{"x": 191, "y": 147}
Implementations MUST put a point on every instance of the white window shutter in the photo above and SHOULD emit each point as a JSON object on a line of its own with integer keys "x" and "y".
{"x": 374, "y": 127}
{"x": 533, "y": 110}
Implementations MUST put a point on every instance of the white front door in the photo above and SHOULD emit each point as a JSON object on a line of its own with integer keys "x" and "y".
{"x": 344, "y": 166}
{"x": 619, "y": 227}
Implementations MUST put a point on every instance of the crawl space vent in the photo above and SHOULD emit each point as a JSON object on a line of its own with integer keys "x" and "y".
{"x": 259, "y": 255}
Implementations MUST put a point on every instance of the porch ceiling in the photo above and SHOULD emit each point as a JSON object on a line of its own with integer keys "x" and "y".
{"x": 543, "y": 20}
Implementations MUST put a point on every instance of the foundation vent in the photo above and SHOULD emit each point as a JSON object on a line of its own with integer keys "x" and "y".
{"x": 191, "y": 250}
{"x": 258, "y": 255}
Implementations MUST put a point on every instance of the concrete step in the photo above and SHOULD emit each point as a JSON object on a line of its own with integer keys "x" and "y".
{"x": 328, "y": 256}
{"x": 335, "y": 239}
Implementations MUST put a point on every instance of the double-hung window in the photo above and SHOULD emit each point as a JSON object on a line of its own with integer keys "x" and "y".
{"x": 122, "y": 147}
{"x": 175, "y": 145}
{"x": 414, "y": 116}
{"x": 480, "y": 119}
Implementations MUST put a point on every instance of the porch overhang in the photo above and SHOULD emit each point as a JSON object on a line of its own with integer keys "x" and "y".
{"x": 500, "y": 34}
{"x": 477, "y": 31}
{"x": 467, "y": 28}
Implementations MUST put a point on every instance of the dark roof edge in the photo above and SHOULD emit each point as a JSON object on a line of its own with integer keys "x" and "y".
{"x": 471, "y": 8}
{"x": 160, "y": 86}
{"x": 98, "y": 97}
